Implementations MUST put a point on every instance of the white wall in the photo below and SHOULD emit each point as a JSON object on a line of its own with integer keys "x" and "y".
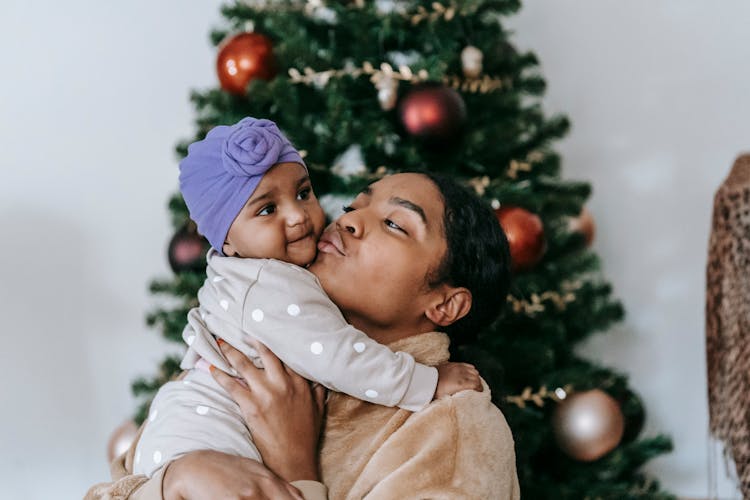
{"x": 658, "y": 95}
{"x": 94, "y": 96}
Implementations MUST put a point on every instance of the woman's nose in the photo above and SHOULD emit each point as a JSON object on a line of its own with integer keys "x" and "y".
{"x": 351, "y": 222}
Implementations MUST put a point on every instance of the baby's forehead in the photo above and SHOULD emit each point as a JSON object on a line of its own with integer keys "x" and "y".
{"x": 290, "y": 164}
{"x": 279, "y": 179}
{"x": 285, "y": 172}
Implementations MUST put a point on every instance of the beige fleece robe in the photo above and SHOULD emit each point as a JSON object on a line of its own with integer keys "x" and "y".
{"x": 458, "y": 447}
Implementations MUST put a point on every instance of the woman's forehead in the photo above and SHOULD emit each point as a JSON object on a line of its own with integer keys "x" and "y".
{"x": 417, "y": 185}
{"x": 411, "y": 189}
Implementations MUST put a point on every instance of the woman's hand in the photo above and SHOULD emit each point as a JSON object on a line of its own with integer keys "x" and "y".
{"x": 216, "y": 475}
{"x": 283, "y": 413}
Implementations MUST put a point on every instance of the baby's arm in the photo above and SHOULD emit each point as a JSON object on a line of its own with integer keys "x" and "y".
{"x": 289, "y": 312}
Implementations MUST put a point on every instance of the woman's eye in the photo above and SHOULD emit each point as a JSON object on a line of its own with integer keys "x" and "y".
{"x": 347, "y": 208}
{"x": 304, "y": 194}
{"x": 393, "y": 225}
{"x": 267, "y": 210}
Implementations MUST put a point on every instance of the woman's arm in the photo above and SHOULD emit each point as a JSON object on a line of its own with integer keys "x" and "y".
{"x": 282, "y": 412}
{"x": 200, "y": 474}
{"x": 212, "y": 474}
{"x": 284, "y": 416}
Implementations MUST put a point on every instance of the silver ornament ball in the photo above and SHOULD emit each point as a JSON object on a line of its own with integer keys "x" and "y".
{"x": 121, "y": 439}
{"x": 588, "y": 425}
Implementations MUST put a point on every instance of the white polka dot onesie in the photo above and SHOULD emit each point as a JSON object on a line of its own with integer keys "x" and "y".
{"x": 284, "y": 307}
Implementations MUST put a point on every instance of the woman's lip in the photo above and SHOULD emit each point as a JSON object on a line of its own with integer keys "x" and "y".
{"x": 328, "y": 247}
{"x": 331, "y": 243}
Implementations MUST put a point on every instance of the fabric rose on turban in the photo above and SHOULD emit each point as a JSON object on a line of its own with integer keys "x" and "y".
{"x": 254, "y": 146}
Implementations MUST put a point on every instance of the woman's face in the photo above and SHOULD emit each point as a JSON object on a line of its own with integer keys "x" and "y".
{"x": 375, "y": 259}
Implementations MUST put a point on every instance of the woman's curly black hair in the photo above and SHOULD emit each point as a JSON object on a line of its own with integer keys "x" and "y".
{"x": 477, "y": 258}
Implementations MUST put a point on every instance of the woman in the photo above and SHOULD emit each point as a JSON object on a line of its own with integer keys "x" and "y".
{"x": 413, "y": 254}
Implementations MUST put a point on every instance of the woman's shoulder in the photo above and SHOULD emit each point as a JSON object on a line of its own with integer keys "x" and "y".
{"x": 473, "y": 413}
{"x": 475, "y": 409}
{"x": 475, "y": 433}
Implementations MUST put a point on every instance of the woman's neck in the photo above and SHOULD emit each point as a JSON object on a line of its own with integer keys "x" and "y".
{"x": 387, "y": 334}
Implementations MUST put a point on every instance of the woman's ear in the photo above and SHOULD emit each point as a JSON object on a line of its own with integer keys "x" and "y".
{"x": 455, "y": 303}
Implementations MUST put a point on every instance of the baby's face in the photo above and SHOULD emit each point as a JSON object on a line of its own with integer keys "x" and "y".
{"x": 281, "y": 220}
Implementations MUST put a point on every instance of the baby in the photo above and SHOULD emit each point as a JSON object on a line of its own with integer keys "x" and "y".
{"x": 248, "y": 190}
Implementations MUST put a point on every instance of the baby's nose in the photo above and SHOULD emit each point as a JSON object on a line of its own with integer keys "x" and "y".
{"x": 296, "y": 216}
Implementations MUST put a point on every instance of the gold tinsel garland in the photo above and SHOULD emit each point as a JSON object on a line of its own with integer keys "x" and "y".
{"x": 538, "y": 397}
{"x": 481, "y": 183}
{"x": 308, "y": 76}
{"x": 536, "y": 304}
{"x": 437, "y": 11}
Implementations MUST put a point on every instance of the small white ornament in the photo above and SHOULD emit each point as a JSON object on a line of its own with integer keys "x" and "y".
{"x": 350, "y": 163}
{"x": 399, "y": 58}
{"x": 320, "y": 129}
{"x": 385, "y": 7}
{"x": 389, "y": 143}
{"x": 326, "y": 15}
{"x": 317, "y": 10}
{"x": 387, "y": 93}
{"x": 471, "y": 61}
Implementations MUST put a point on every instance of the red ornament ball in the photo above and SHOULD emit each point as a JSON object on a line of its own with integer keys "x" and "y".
{"x": 585, "y": 225}
{"x": 525, "y": 233}
{"x": 433, "y": 112}
{"x": 187, "y": 251}
{"x": 242, "y": 58}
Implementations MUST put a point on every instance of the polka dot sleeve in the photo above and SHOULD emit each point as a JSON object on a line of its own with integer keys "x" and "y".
{"x": 287, "y": 310}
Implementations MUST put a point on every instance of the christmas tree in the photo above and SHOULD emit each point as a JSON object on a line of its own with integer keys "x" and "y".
{"x": 367, "y": 88}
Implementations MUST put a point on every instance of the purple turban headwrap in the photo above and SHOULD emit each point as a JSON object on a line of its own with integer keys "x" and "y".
{"x": 221, "y": 172}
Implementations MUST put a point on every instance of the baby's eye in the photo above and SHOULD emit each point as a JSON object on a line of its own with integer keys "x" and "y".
{"x": 347, "y": 208}
{"x": 267, "y": 210}
{"x": 304, "y": 194}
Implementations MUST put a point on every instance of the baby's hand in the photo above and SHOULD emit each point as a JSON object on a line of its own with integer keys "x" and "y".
{"x": 456, "y": 377}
